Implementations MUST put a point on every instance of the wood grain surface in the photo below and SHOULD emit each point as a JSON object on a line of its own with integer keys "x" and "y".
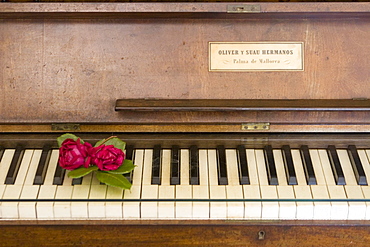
{"x": 184, "y": 233}
{"x": 73, "y": 68}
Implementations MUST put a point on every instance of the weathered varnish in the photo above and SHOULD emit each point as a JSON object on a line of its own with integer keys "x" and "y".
{"x": 70, "y": 63}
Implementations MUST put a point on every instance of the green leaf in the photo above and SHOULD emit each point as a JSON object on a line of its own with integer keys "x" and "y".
{"x": 62, "y": 138}
{"x": 82, "y": 171}
{"x": 126, "y": 167}
{"x": 116, "y": 142}
{"x": 115, "y": 180}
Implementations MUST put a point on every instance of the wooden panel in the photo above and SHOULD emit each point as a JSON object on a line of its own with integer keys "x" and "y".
{"x": 185, "y": 233}
{"x": 73, "y": 70}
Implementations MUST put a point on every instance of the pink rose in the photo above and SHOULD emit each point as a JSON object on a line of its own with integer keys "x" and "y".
{"x": 73, "y": 154}
{"x": 107, "y": 158}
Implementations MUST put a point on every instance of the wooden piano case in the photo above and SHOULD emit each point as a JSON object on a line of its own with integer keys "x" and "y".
{"x": 144, "y": 71}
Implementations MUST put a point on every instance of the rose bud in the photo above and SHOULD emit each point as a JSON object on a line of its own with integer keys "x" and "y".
{"x": 107, "y": 158}
{"x": 73, "y": 154}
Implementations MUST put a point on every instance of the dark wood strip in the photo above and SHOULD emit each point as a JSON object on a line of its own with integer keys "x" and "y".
{"x": 242, "y": 105}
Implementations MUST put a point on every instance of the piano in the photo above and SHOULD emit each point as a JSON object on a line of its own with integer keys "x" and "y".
{"x": 248, "y": 123}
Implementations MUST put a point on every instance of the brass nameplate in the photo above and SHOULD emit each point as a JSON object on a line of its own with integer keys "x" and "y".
{"x": 256, "y": 56}
{"x": 256, "y": 126}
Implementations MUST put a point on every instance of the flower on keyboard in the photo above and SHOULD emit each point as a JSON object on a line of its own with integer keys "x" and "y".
{"x": 106, "y": 159}
{"x": 74, "y": 154}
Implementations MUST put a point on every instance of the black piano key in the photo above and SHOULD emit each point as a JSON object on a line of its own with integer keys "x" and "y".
{"x": 1, "y": 152}
{"x": 175, "y": 165}
{"x": 77, "y": 181}
{"x": 307, "y": 166}
{"x": 194, "y": 165}
{"x": 357, "y": 167}
{"x": 43, "y": 166}
{"x": 270, "y": 166}
{"x": 129, "y": 155}
{"x": 14, "y": 165}
{"x": 221, "y": 165}
{"x": 156, "y": 165}
{"x": 58, "y": 175}
{"x": 243, "y": 165}
{"x": 335, "y": 165}
{"x": 289, "y": 166}
{"x": 129, "y": 152}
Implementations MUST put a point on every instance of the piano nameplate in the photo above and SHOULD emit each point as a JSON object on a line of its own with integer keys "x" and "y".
{"x": 256, "y": 56}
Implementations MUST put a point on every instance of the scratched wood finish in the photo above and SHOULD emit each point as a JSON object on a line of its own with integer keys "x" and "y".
{"x": 60, "y": 69}
{"x": 182, "y": 233}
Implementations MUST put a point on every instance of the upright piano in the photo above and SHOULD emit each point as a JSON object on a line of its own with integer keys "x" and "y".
{"x": 248, "y": 123}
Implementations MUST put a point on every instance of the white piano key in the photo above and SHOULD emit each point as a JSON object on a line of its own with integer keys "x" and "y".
{"x": 356, "y": 210}
{"x": 252, "y": 167}
{"x": 13, "y": 191}
{"x": 287, "y": 210}
{"x": 131, "y": 210}
{"x": 62, "y": 209}
{"x": 2, "y": 189}
{"x": 96, "y": 209}
{"x": 270, "y": 210}
{"x": 166, "y": 210}
{"x": 114, "y": 210}
{"x": 365, "y": 157}
{"x": 252, "y": 209}
{"x": 4, "y": 167}
{"x": 201, "y": 191}
{"x": 149, "y": 210}
{"x": 217, "y": 210}
{"x": 79, "y": 209}
{"x": 339, "y": 210}
{"x": 9, "y": 210}
{"x": 47, "y": 190}
{"x": 235, "y": 210}
{"x": 27, "y": 210}
{"x": 5, "y": 164}
{"x": 305, "y": 210}
{"x": 302, "y": 191}
{"x": 184, "y": 210}
{"x": 323, "y": 210}
{"x": 366, "y": 189}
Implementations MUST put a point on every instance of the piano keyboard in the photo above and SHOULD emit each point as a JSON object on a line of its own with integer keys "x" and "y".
{"x": 192, "y": 183}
